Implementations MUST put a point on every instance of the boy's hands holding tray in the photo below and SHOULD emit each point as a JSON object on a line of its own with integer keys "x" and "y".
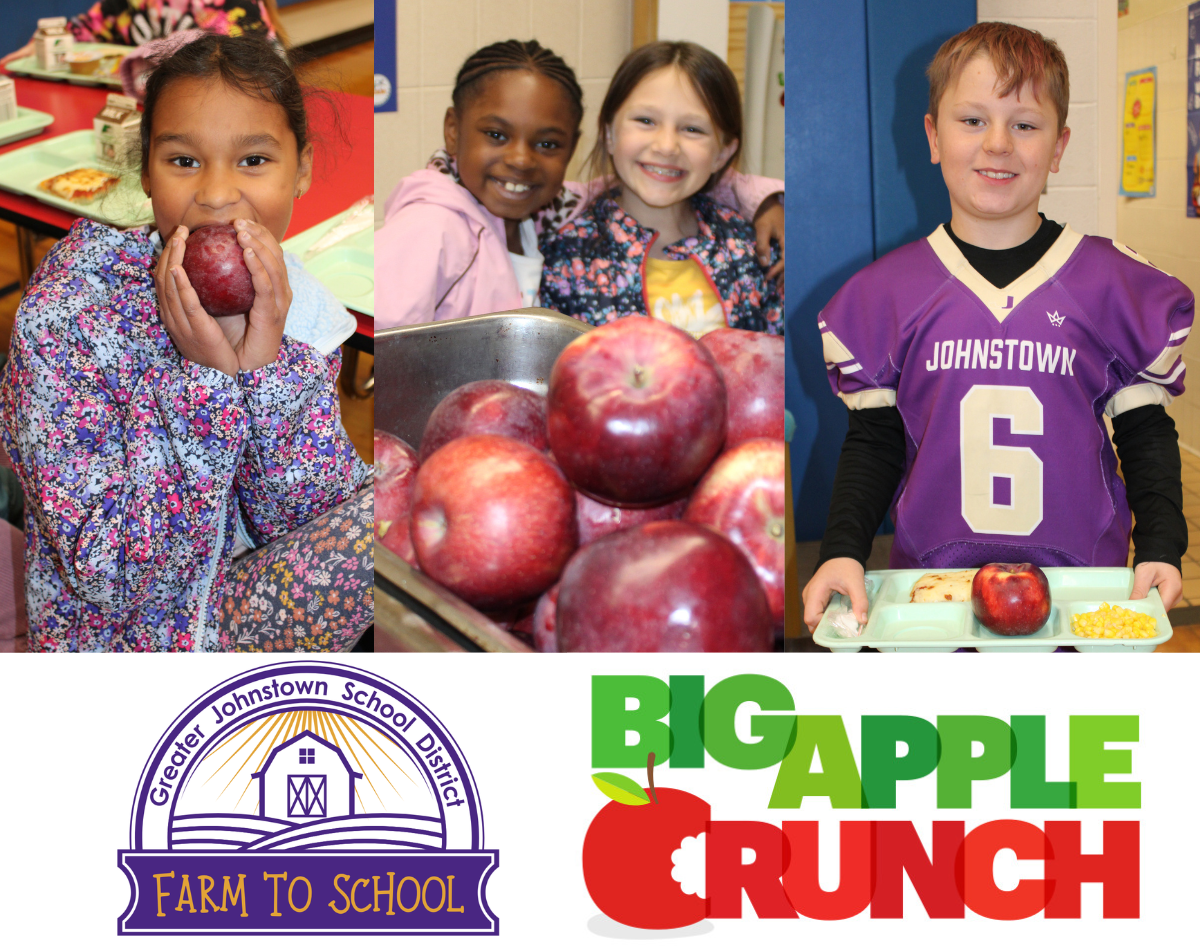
{"x": 843, "y": 575}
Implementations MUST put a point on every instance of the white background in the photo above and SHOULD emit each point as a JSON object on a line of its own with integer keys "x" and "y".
{"x": 78, "y": 730}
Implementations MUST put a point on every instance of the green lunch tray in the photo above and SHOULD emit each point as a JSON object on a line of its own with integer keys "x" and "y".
{"x": 23, "y": 169}
{"x": 896, "y": 626}
{"x": 27, "y": 66}
{"x": 347, "y": 268}
{"x": 28, "y": 122}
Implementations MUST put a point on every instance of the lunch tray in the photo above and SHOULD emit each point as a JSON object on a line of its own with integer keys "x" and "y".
{"x": 347, "y": 268}
{"x": 27, "y": 66}
{"x": 28, "y": 122}
{"x": 894, "y": 625}
{"x": 22, "y": 169}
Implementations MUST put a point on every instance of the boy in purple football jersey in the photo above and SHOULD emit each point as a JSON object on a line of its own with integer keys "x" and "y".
{"x": 977, "y": 363}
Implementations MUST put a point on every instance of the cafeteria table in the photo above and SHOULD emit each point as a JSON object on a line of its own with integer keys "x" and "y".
{"x": 341, "y": 129}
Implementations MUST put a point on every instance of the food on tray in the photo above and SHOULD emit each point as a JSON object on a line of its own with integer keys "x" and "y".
{"x": 84, "y": 62}
{"x": 81, "y": 185}
{"x": 1114, "y": 622}
{"x": 1011, "y": 599}
{"x": 213, "y": 262}
{"x": 942, "y": 587}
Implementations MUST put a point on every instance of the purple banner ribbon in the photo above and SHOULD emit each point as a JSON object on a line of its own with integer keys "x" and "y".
{"x": 409, "y": 892}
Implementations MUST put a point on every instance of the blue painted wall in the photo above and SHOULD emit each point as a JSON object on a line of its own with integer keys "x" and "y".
{"x": 859, "y": 185}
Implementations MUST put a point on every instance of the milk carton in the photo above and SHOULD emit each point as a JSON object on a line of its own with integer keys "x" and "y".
{"x": 117, "y": 127}
{"x": 8, "y": 99}
{"x": 52, "y": 42}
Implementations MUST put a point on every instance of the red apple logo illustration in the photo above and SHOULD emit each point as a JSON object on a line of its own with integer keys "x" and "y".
{"x": 627, "y": 852}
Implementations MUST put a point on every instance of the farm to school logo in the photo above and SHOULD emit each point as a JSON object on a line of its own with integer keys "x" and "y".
{"x": 654, "y": 858}
{"x": 307, "y": 798}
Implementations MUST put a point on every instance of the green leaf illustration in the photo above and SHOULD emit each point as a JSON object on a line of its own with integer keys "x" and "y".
{"x": 620, "y": 789}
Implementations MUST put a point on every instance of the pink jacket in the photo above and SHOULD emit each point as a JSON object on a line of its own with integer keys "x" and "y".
{"x": 441, "y": 254}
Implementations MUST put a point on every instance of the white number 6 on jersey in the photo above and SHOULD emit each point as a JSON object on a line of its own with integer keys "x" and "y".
{"x": 981, "y": 460}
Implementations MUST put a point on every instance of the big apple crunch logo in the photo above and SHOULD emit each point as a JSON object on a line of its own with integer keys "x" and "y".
{"x": 638, "y": 847}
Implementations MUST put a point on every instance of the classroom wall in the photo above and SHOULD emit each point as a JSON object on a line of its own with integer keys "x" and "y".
{"x": 1084, "y": 192}
{"x": 1155, "y": 34}
{"x": 434, "y": 37}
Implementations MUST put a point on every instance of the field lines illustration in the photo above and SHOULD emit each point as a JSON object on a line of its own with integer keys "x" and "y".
{"x": 307, "y": 780}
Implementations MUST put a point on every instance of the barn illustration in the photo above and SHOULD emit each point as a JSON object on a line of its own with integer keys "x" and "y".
{"x": 306, "y": 779}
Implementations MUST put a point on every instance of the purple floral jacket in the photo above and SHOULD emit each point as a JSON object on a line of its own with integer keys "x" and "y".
{"x": 596, "y": 264}
{"x": 135, "y": 461}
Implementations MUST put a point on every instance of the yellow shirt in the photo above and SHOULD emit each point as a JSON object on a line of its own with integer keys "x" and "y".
{"x": 679, "y": 294}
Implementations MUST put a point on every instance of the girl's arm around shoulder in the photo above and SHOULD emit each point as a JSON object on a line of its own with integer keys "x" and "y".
{"x": 125, "y": 453}
{"x": 298, "y": 462}
{"x": 421, "y": 252}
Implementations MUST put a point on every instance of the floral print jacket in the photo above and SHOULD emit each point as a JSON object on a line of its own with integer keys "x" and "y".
{"x": 595, "y": 265}
{"x": 134, "y": 22}
{"x": 136, "y": 462}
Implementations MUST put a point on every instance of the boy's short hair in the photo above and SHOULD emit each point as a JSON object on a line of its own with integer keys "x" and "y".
{"x": 1018, "y": 55}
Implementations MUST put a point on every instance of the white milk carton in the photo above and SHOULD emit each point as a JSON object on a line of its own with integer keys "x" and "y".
{"x": 52, "y": 42}
{"x": 8, "y": 99}
{"x": 117, "y": 127}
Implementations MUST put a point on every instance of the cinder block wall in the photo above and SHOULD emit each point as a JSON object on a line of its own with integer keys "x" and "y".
{"x": 434, "y": 37}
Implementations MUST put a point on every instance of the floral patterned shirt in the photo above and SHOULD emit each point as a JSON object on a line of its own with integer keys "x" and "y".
{"x": 595, "y": 265}
{"x": 134, "y": 22}
{"x": 135, "y": 461}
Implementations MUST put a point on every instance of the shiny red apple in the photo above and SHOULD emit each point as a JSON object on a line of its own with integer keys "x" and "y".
{"x": 395, "y": 474}
{"x": 743, "y": 497}
{"x": 545, "y": 639}
{"x": 597, "y": 519}
{"x": 489, "y": 406}
{"x": 216, "y": 268}
{"x": 752, "y": 366}
{"x": 636, "y": 412}
{"x": 493, "y": 520}
{"x": 627, "y": 860}
{"x": 1011, "y": 599}
{"x": 665, "y": 587}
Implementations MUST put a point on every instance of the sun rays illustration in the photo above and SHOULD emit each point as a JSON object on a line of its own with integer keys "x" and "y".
{"x": 223, "y": 780}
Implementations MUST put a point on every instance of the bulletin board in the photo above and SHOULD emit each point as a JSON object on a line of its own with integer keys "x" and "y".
{"x": 1138, "y": 165}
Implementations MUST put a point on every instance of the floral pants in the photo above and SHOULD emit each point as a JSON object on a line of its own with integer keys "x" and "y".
{"x": 311, "y": 591}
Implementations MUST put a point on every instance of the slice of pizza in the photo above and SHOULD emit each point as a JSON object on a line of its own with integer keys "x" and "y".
{"x": 81, "y": 185}
{"x": 943, "y": 587}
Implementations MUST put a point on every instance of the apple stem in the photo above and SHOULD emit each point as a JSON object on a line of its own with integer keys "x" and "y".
{"x": 650, "y": 776}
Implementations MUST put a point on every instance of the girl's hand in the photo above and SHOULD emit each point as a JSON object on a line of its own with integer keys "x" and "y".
{"x": 1157, "y": 574}
{"x": 256, "y": 337}
{"x": 196, "y": 335}
{"x": 768, "y": 225}
{"x": 26, "y": 50}
{"x": 842, "y": 574}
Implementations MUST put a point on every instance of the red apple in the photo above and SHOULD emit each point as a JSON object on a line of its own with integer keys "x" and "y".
{"x": 636, "y": 412}
{"x": 490, "y": 406}
{"x": 1011, "y": 599}
{"x": 545, "y": 640}
{"x": 216, "y": 269}
{"x": 627, "y": 860}
{"x": 752, "y": 366}
{"x": 597, "y": 519}
{"x": 664, "y": 587}
{"x": 395, "y": 472}
{"x": 493, "y": 520}
{"x": 743, "y": 497}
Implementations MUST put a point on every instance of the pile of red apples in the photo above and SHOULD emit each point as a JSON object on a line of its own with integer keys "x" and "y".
{"x": 638, "y": 506}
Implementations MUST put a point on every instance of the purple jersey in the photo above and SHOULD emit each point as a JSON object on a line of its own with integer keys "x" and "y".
{"x": 1002, "y": 391}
